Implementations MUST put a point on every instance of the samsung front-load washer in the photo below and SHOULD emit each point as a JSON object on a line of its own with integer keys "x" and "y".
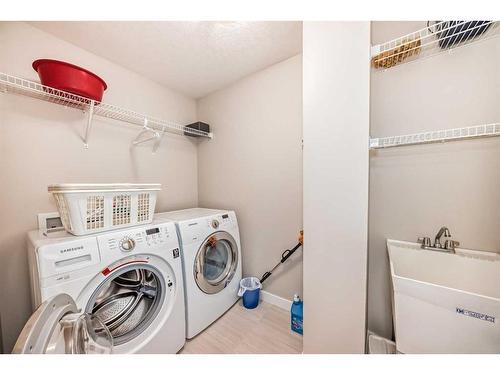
{"x": 129, "y": 281}
{"x": 210, "y": 243}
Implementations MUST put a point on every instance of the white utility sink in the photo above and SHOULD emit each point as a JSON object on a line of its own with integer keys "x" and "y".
{"x": 445, "y": 302}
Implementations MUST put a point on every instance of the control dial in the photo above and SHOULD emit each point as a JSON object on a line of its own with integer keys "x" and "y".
{"x": 215, "y": 224}
{"x": 127, "y": 244}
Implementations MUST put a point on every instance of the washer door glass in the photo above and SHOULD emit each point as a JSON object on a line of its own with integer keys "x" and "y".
{"x": 128, "y": 301}
{"x": 56, "y": 327}
{"x": 216, "y": 262}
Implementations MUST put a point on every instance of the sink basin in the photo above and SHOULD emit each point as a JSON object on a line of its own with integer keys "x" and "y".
{"x": 443, "y": 302}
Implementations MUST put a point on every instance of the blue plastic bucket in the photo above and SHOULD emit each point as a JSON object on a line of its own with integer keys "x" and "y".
{"x": 250, "y": 292}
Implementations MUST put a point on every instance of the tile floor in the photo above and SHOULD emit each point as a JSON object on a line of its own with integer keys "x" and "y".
{"x": 264, "y": 330}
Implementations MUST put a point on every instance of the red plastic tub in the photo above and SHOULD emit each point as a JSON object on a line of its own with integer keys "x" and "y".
{"x": 68, "y": 77}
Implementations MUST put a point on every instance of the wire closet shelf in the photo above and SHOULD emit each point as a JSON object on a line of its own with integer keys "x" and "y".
{"x": 437, "y": 38}
{"x": 436, "y": 136}
{"x": 16, "y": 85}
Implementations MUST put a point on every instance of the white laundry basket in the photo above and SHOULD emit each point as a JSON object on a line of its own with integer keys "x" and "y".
{"x": 91, "y": 208}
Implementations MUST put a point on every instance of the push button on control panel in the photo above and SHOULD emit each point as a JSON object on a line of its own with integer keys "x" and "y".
{"x": 154, "y": 236}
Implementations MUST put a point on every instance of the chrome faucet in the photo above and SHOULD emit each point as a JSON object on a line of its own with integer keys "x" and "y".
{"x": 449, "y": 244}
{"x": 443, "y": 231}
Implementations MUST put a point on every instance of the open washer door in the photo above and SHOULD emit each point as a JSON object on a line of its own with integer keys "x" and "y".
{"x": 57, "y": 327}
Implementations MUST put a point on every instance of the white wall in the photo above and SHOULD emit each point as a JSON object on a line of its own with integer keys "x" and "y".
{"x": 40, "y": 144}
{"x": 336, "y": 127}
{"x": 254, "y": 166}
{"x": 417, "y": 189}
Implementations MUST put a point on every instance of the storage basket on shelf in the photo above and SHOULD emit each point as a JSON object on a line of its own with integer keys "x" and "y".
{"x": 91, "y": 208}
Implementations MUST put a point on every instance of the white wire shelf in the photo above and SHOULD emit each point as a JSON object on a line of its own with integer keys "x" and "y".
{"x": 436, "y": 136}
{"x": 16, "y": 85}
{"x": 439, "y": 37}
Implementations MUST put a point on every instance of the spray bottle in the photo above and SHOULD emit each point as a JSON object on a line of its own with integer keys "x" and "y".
{"x": 297, "y": 315}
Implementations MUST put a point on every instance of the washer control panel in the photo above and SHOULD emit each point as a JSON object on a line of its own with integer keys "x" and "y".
{"x": 141, "y": 239}
{"x": 157, "y": 235}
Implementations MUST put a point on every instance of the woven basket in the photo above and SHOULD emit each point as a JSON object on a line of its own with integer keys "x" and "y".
{"x": 394, "y": 56}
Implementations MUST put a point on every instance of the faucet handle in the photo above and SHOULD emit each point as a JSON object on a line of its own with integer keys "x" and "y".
{"x": 425, "y": 241}
{"x": 450, "y": 244}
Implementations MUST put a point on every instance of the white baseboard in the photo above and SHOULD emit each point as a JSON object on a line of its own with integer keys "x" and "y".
{"x": 275, "y": 300}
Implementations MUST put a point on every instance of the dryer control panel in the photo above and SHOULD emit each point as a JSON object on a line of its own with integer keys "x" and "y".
{"x": 197, "y": 229}
{"x": 222, "y": 221}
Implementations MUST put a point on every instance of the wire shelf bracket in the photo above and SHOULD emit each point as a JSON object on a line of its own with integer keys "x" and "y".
{"x": 436, "y": 136}
{"x": 88, "y": 128}
{"x": 440, "y": 37}
{"x": 21, "y": 86}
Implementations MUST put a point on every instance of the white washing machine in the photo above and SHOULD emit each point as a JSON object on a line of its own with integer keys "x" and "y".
{"x": 210, "y": 243}
{"x": 131, "y": 280}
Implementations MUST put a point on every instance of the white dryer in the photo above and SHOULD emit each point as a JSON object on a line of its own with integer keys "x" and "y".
{"x": 130, "y": 280}
{"x": 211, "y": 251}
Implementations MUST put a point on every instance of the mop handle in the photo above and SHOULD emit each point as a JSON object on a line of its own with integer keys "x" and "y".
{"x": 284, "y": 256}
{"x": 287, "y": 253}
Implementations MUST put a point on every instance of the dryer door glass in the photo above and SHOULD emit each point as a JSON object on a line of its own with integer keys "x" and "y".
{"x": 216, "y": 262}
{"x": 128, "y": 301}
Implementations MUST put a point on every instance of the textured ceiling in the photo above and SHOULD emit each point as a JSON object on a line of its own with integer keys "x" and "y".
{"x": 194, "y": 58}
